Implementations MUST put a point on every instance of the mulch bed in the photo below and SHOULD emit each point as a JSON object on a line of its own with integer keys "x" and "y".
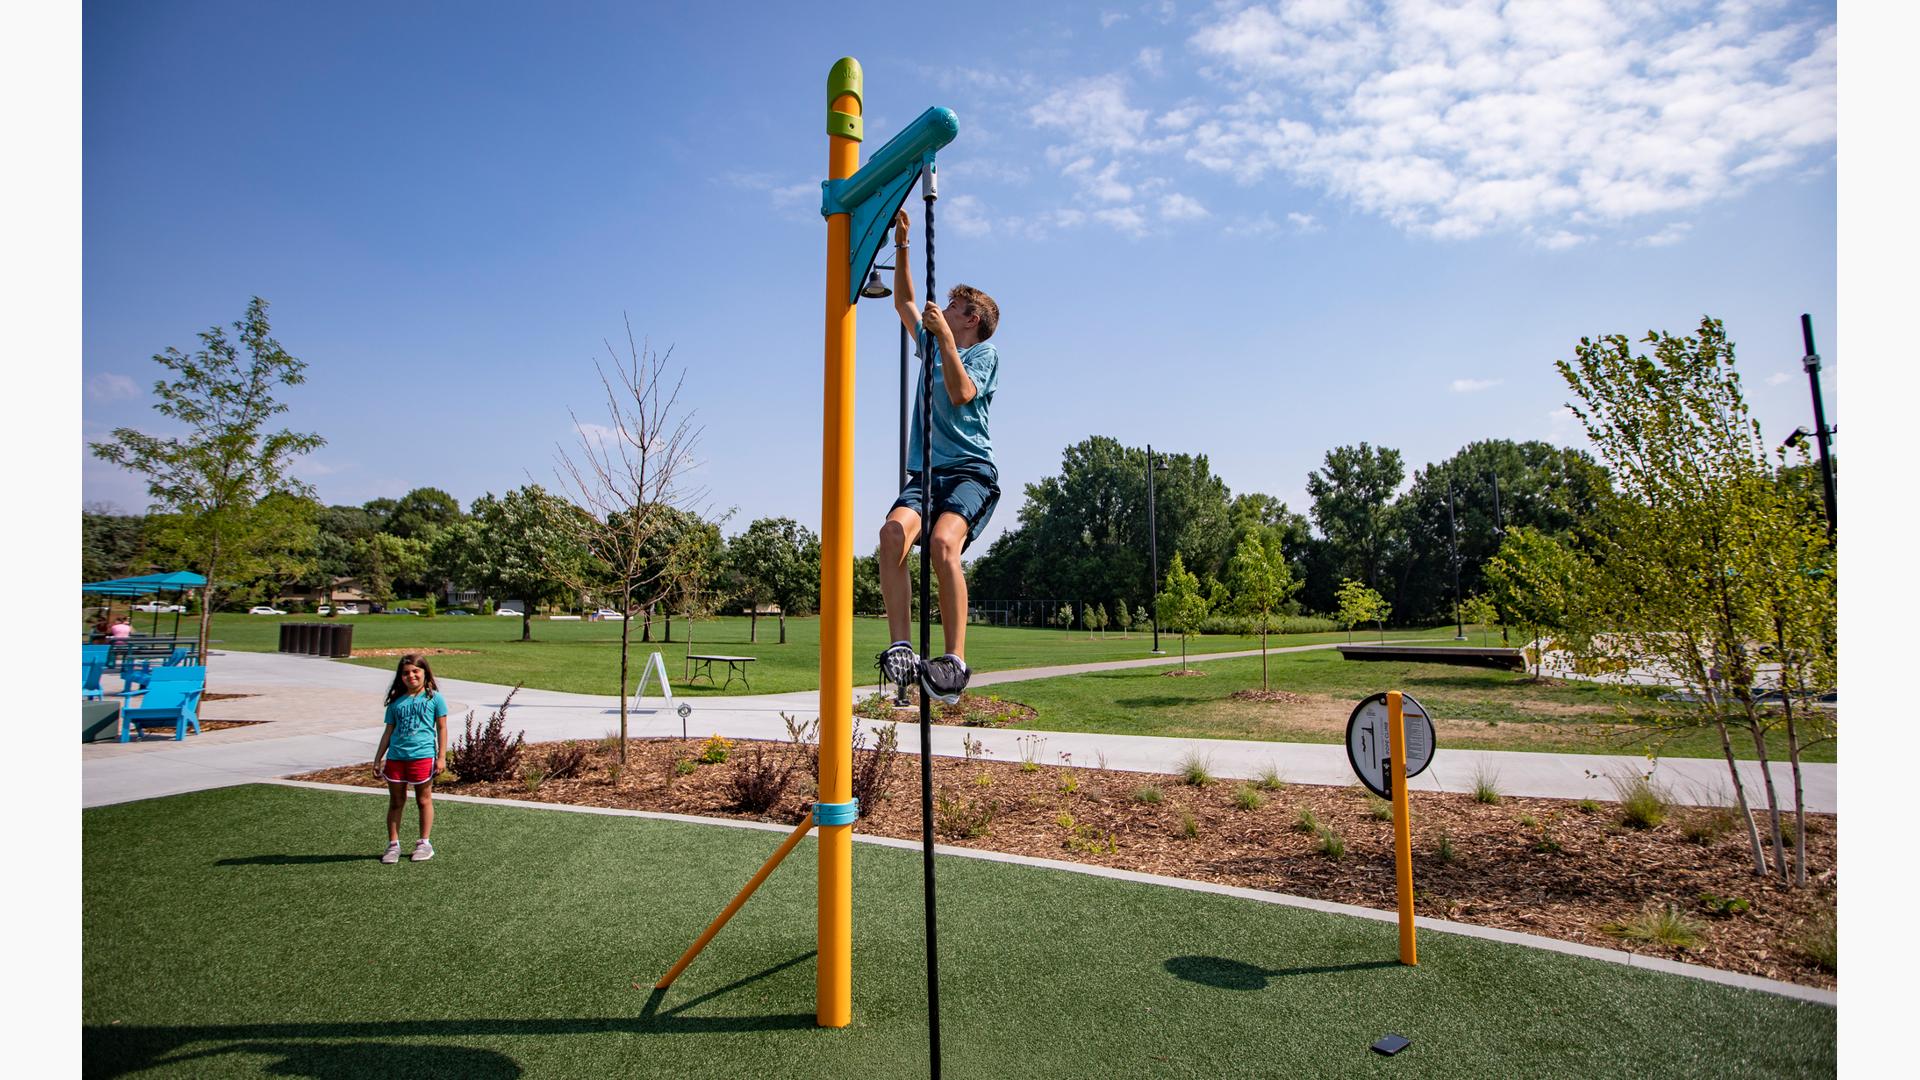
{"x": 972, "y": 710}
{"x": 1279, "y": 696}
{"x": 1541, "y": 866}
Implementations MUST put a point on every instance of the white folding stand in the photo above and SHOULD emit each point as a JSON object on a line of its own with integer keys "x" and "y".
{"x": 653, "y": 664}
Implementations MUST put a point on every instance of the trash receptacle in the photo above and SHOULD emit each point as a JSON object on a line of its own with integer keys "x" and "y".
{"x": 286, "y": 636}
{"x": 342, "y": 640}
{"x": 323, "y": 645}
{"x": 310, "y": 642}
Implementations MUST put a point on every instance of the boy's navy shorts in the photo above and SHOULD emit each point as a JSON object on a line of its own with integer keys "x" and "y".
{"x": 967, "y": 490}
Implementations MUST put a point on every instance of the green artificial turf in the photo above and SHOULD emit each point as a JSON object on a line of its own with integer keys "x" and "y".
{"x": 1507, "y": 710}
{"x": 584, "y": 657}
{"x": 250, "y": 930}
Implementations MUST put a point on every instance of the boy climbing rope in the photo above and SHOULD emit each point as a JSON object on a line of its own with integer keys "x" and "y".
{"x": 966, "y": 483}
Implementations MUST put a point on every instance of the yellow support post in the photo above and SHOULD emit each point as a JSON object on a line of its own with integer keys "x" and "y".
{"x": 739, "y": 899}
{"x": 833, "y": 979}
{"x": 1402, "y": 824}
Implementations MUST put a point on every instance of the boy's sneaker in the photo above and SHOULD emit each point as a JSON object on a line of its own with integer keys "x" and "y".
{"x": 946, "y": 677}
{"x": 898, "y": 665}
{"x": 393, "y": 853}
{"x": 422, "y": 851}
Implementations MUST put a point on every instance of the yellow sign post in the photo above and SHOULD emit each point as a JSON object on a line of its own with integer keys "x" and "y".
{"x": 1402, "y": 824}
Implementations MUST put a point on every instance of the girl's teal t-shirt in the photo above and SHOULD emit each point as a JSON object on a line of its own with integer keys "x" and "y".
{"x": 416, "y": 731}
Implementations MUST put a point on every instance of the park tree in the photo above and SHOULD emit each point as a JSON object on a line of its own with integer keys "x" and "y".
{"x": 778, "y": 560}
{"x": 112, "y": 545}
{"x": 1122, "y": 615}
{"x": 1353, "y": 508}
{"x": 624, "y": 480}
{"x": 1700, "y": 559}
{"x": 516, "y": 545}
{"x": 1479, "y": 610}
{"x": 216, "y": 478}
{"x": 1540, "y": 582}
{"x": 1064, "y": 616}
{"x": 1180, "y": 606}
{"x": 1263, "y": 583}
{"x": 1360, "y": 604}
{"x": 421, "y": 513}
{"x": 386, "y": 565}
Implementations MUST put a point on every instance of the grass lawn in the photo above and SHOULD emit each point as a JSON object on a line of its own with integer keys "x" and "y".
{"x": 1474, "y": 708}
{"x": 249, "y": 930}
{"x": 584, "y": 657}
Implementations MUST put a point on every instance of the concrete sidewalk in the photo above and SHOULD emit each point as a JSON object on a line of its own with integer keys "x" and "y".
{"x": 323, "y": 714}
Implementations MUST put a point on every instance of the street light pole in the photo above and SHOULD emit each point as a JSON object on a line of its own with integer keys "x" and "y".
{"x": 1811, "y": 363}
{"x": 1453, "y": 557}
{"x": 1153, "y": 545}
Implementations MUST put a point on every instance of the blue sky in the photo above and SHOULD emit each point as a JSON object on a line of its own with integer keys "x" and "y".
{"x": 1251, "y": 231}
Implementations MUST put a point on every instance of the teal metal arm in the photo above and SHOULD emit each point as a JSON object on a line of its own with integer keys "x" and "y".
{"x": 874, "y": 193}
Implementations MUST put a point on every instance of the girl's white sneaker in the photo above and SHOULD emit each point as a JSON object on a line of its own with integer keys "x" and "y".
{"x": 422, "y": 851}
{"x": 393, "y": 853}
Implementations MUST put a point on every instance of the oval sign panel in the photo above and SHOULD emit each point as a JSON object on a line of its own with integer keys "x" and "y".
{"x": 1367, "y": 746}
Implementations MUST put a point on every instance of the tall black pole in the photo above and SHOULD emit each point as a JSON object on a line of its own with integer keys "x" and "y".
{"x": 1499, "y": 530}
{"x": 1453, "y": 557}
{"x": 928, "y": 190}
{"x": 1153, "y": 545}
{"x": 1811, "y": 362}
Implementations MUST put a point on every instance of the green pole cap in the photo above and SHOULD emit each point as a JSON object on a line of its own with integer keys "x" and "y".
{"x": 845, "y": 78}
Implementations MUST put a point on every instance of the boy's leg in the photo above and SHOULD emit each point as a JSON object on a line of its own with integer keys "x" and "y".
{"x": 902, "y": 528}
{"x": 949, "y": 538}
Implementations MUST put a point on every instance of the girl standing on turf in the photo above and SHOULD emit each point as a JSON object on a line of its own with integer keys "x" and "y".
{"x": 412, "y": 749}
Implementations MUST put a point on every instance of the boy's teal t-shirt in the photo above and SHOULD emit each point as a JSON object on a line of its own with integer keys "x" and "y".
{"x": 959, "y": 431}
{"x": 416, "y": 733}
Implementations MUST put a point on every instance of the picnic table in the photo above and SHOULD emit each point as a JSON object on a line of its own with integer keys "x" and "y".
{"x": 702, "y": 664}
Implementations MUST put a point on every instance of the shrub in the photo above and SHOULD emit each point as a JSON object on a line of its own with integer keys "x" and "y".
{"x": 1588, "y": 806}
{"x": 685, "y": 766}
{"x": 1378, "y": 808}
{"x": 1147, "y": 793}
{"x": 956, "y": 818}
{"x": 1667, "y": 926}
{"x": 715, "y": 749}
{"x": 1249, "y": 626}
{"x": 1723, "y": 906}
{"x": 874, "y": 707}
{"x": 1248, "y": 797}
{"x": 1196, "y": 770}
{"x": 566, "y": 760}
{"x": 1484, "y": 789}
{"x": 1819, "y": 943}
{"x": 870, "y": 770}
{"x": 1332, "y": 844}
{"x": 1642, "y": 804}
{"x": 759, "y": 778}
{"x": 532, "y": 775}
{"x": 487, "y": 755}
{"x": 610, "y": 742}
{"x": 1269, "y": 778}
{"x": 1189, "y": 825}
{"x": 1030, "y": 751}
{"x": 1068, "y": 782}
{"x": 1708, "y": 825}
{"x": 1306, "y": 822}
{"x": 1444, "y": 852}
{"x": 613, "y": 774}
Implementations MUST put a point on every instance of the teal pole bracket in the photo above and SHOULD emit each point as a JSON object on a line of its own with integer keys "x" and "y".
{"x": 874, "y": 193}
{"x": 836, "y": 813}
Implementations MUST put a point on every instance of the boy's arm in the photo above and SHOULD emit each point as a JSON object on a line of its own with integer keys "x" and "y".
{"x": 903, "y": 275}
{"x": 960, "y": 388}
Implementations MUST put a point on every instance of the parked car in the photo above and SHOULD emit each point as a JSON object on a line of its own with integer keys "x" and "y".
{"x": 264, "y": 610}
{"x": 507, "y": 611}
{"x": 401, "y": 611}
{"x": 605, "y": 614}
{"x": 157, "y": 606}
{"x": 323, "y": 609}
{"x": 456, "y": 611}
{"x": 349, "y": 609}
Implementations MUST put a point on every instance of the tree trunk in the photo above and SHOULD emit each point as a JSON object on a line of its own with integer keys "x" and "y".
{"x": 526, "y": 624}
{"x": 668, "y": 615}
{"x": 1773, "y": 798}
{"x": 626, "y": 633}
{"x": 206, "y": 606}
{"x": 646, "y": 627}
{"x": 783, "y": 624}
{"x": 1739, "y": 789}
{"x": 1263, "y": 659}
{"x": 753, "y": 624}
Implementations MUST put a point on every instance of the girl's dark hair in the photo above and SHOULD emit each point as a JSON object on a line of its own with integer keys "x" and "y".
{"x": 399, "y": 690}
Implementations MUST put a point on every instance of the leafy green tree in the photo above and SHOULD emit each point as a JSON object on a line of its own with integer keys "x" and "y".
{"x": 516, "y": 545}
{"x": 1699, "y": 557}
{"x": 1263, "y": 583}
{"x": 1218, "y": 597}
{"x": 1352, "y": 506}
{"x": 1180, "y": 606}
{"x": 112, "y": 545}
{"x": 1541, "y": 583}
{"x": 1360, "y": 604}
{"x": 1122, "y": 615}
{"x": 216, "y": 477}
{"x": 1064, "y": 616}
{"x": 778, "y": 560}
{"x": 1478, "y": 610}
{"x": 1140, "y": 616}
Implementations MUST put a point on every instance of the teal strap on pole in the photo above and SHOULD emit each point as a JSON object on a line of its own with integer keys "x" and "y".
{"x": 837, "y": 813}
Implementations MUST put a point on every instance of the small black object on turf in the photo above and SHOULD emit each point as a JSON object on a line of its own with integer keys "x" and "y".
{"x": 1391, "y": 1044}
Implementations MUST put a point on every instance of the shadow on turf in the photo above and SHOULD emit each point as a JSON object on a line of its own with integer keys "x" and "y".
{"x": 297, "y": 860}
{"x": 117, "y": 1050}
{"x": 1224, "y": 974}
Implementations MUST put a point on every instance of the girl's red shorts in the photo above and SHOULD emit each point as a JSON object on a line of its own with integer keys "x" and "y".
{"x": 407, "y": 770}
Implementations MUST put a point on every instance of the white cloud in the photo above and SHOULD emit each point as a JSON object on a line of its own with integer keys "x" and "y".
{"x": 1458, "y": 119}
{"x": 1778, "y": 378}
{"x": 1178, "y": 207}
{"x": 1123, "y": 219}
{"x": 1302, "y": 223}
{"x": 107, "y": 386}
{"x": 1473, "y": 386}
{"x": 1150, "y": 60}
{"x": 1666, "y": 237}
{"x": 1109, "y": 18}
{"x": 966, "y": 214}
{"x": 1560, "y": 240}
{"x": 1094, "y": 114}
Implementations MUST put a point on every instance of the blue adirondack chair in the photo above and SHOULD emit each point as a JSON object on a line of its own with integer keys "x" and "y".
{"x": 171, "y": 700}
{"x": 93, "y": 664}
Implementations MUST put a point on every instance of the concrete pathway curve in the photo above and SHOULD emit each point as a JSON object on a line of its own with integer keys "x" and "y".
{"x": 324, "y": 714}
